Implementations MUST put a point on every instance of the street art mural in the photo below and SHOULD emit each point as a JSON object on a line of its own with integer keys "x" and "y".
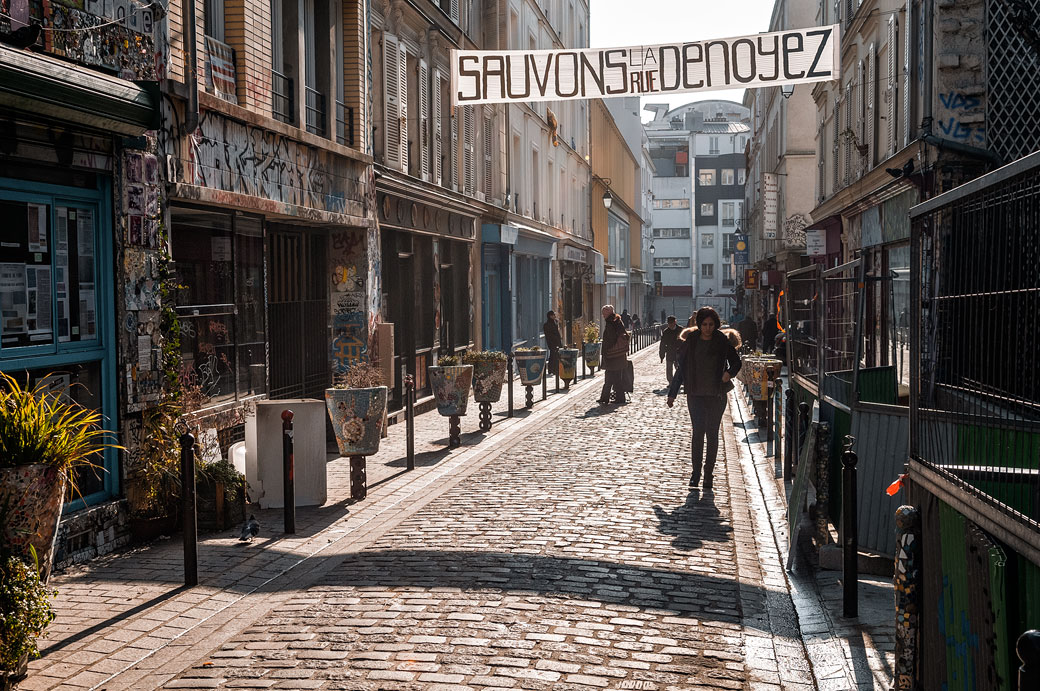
{"x": 235, "y": 157}
{"x": 962, "y": 118}
{"x": 350, "y": 327}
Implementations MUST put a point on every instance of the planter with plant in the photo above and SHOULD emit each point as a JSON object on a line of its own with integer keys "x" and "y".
{"x": 568, "y": 359}
{"x": 489, "y": 373}
{"x": 451, "y": 382}
{"x": 25, "y": 612}
{"x": 44, "y": 436}
{"x": 591, "y": 346}
{"x": 357, "y": 405}
{"x": 530, "y": 365}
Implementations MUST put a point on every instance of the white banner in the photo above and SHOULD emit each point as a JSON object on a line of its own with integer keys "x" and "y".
{"x": 798, "y": 56}
{"x": 770, "y": 200}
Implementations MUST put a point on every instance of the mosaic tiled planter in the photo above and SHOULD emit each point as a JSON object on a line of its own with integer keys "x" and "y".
{"x": 451, "y": 388}
{"x": 357, "y": 418}
{"x": 488, "y": 378}
{"x": 568, "y": 358}
{"x": 530, "y": 366}
{"x": 592, "y": 353}
{"x": 34, "y": 495}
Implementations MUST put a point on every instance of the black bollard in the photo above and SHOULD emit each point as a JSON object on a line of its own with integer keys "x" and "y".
{"x": 545, "y": 380}
{"x": 790, "y": 435}
{"x": 288, "y": 472}
{"x": 557, "y": 373}
{"x": 1028, "y": 648}
{"x": 769, "y": 413}
{"x": 584, "y": 371}
{"x": 777, "y": 421}
{"x": 804, "y": 411}
{"x": 409, "y": 413}
{"x": 509, "y": 382}
{"x": 849, "y": 540}
{"x": 191, "y": 536}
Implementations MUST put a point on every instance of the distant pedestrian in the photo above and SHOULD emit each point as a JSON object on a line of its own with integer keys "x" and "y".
{"x": 626, "y": 319}
{"x": 669, "y": 346}
{"x": 553, "y": 340}
{"x": 748, "y": 331}
{"x": 614, "y": 359}
{"x": 635, "y": 321}
{"x": 769, "y": 332}
{"x": 707, "y": 362}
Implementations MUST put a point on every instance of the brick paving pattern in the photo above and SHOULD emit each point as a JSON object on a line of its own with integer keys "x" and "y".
{"x": 565, "y": 551}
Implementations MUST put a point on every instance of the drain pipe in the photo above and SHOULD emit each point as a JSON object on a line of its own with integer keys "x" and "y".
{"x": 191, "y": 114}
{"x": 942, "y": 144}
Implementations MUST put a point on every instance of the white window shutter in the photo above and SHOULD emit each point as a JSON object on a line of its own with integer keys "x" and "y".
{"x": 893, "y": 82}
{"x": 455, "y": 11}
{"x": 488, "y": 148}
{"x": 871, "y": 86}
{"x": 402, "y": 101}
{"x": 468, "y": 152}
{"x": 454, "y": 158}
{"x": 438, "y": 146}
{"x": 908, "y": 126}
{"x": 391, "y": 102}
{"x": 846, "y": 139}
{"x": 423, "y": 135}
{"x": 861, "y": 102}
{"x": 836, "y": 150}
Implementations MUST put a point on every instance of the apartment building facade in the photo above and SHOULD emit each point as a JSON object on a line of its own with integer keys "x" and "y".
{"x": 697, "y": 205}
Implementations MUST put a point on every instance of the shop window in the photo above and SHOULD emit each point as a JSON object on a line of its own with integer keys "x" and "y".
{"x": 218, "y": 261}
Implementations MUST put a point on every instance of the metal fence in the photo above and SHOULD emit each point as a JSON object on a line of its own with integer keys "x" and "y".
{"x": 802, "y": 317}
{"x": 975, "y": 390}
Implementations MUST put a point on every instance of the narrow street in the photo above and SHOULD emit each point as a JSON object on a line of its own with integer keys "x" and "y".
{"x": 565, "y": 551}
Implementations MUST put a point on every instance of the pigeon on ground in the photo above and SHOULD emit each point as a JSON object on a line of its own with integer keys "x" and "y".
{"x": 250, "y": 530}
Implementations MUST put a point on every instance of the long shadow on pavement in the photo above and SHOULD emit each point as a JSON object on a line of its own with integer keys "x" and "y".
{"x": 687, "y": 520}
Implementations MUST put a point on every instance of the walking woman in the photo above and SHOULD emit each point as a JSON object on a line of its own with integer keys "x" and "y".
{"x": 706, "y": 363}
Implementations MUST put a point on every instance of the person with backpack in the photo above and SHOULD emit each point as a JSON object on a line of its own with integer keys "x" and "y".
{"x": 614, "y": 359}
{"x": 707, "y": 361}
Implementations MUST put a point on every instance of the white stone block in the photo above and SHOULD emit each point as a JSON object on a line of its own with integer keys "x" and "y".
{"x": 264, "y": 452}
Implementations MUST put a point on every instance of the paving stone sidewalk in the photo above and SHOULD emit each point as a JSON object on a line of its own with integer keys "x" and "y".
{"x": 563, "y": 552}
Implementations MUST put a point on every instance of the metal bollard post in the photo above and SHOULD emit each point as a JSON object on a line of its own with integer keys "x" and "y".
{"x": 545, "y": 380}
{"x": 803, "y": 426}
{"x": 790, "y": 436}
{"x": 409, "y": 412}
{"x": 769, "y": 412}
{"x": 557, "y": 373}
{"x": 288, "y": 472}
{"x": 1028, "y": 649}
{"x": 584, "y": 371}
{"x": 509, "y": 382}
{"x": 907, "y": 579}
{"x": 822, "y": 459}
{"x": 849, "y": 541}
{"x": 777, "y": 420}
{"x": 191, "y": 537}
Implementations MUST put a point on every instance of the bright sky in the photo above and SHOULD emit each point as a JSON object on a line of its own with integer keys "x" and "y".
{"x": 649, "y": 22}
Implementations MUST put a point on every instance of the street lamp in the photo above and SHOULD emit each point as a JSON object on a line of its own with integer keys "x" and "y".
{"x": 787, "y": 90}
{"x": 607, "y": 199}
{"x": 652, "y": 248}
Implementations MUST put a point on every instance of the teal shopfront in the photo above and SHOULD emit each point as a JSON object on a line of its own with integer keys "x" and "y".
{"x": 57, "y": 297}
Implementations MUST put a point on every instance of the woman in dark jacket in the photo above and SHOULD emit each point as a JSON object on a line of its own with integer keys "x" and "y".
{"x": 614, "y": 358}
{"x": 707, "y": 361}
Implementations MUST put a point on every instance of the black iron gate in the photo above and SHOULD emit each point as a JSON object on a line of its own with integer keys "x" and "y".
{"x": 298, "y": 313}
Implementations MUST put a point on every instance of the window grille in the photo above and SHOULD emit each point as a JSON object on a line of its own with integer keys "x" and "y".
{"x": 1012, "y": 82}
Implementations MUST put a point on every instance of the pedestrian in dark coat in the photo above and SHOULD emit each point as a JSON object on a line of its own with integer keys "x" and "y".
{"x": 707, "y": 362}
{"x": 626, "y": 320}
{"x": 769, "y": 332}
{"x": 614, "y": 357}
{"x": 553, "y": 340}
{"x": 669, "y": 346}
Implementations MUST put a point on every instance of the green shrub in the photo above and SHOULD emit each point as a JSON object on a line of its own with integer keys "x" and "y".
{"x": 473, "y": 357}
{"x": 25, "y": 609}
{"x": 448, "y": 361}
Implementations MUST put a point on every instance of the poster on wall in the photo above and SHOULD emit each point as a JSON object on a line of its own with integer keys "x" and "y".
{"x": 37, "y": 221}
{"x": 795, "y": 56}
{"x": 816, "y": 243}
{"x": 13, "y": 302}
{"x": 770, "y": 203}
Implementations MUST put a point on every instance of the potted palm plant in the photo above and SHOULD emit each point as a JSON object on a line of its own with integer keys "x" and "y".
{"x": 44, "y": 436}
{"x": 592, "y": 345}
{"x": 357, "y": 405}
{"x": 451, "y": 382}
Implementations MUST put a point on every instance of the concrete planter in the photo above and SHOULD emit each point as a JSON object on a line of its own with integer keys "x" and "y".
{"x": 488, "y": 378}
{"x": 451, "y": 388}
{"x": 568, "y": 363}
{"x": 592, "y": 353}
{"x": 357, "y": 418}
{"x": 530, "y": 366}
{"x": 34, "y": 495}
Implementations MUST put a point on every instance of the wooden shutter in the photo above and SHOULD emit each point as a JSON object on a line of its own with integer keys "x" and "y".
{"x": 893, "y": 82}
{"x": 488, "y": 148}
{"x": 438, "y": 146}
{"x": 454, "y": 158}
{"x": 871, "y": 86}
{"x": 861, "y": 102}
{"x": 845, "y": 138}
{"x": 836, "y": 150}
{"x": 423, "y": 135}
{"x": 402, "y": 102}
{"x": 392, "y": 145}
{"x": 455, "y": 11}
{"x": 908, "y": 125}
{"x": 469, "y": 172}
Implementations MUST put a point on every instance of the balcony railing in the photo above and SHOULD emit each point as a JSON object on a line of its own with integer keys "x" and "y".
{"x": 344, "y": 124}
{"x": 314, "y": 108}
{"x": 282, "y": 101}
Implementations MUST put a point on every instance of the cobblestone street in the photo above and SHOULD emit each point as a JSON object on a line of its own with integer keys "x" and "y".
{"x": 566, "y": 551}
